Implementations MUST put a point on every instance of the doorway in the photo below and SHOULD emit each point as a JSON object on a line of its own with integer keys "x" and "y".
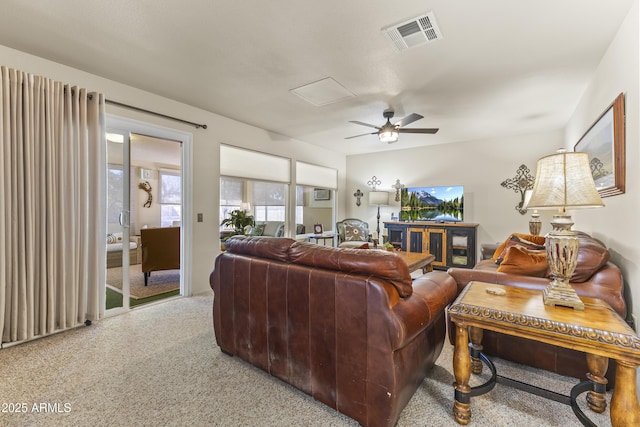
{"x": 146, "y": 186}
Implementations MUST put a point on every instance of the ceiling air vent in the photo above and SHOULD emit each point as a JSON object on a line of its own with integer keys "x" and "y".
{"x": 413, "y": 32}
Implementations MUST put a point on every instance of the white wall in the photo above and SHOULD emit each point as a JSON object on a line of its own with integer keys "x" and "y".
{"x": 616, "y": 223}
{"x": 481, "y": 166}
{"x": 204, "y": 241}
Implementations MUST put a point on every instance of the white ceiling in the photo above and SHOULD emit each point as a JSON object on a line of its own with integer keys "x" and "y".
{"x": 503, "y": 67}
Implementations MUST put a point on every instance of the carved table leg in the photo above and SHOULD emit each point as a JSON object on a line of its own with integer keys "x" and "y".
{"x": 597, "y": 368}
{"x": 475, "y": 335}
{"x": 625, "y": 410}
{"x": 462, "y": 373}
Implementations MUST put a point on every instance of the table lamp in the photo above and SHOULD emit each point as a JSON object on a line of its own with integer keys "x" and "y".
{"x": 245, "y": 206}
{"x": 563, "y": 180}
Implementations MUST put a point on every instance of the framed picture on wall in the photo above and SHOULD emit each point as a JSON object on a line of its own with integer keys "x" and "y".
{"x": 321, "y": 194}
{"x": 317, "y": 228}
{"x": 604, "y": 143}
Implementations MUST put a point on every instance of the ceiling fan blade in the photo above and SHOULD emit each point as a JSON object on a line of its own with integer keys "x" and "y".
{"x": 409, "y": 119}
{"x": 418, "y": 130}
{"x": 363, "y": 124}
{"x": 362, "y": 134}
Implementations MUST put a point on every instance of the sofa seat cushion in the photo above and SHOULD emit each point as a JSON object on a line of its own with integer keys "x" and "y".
{"x": 382, "y": 264}
{"x": 528, "y": 262}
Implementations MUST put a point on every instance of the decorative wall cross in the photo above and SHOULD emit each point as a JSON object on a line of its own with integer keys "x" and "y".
{"x": 522, "y": 182}
{"x": 358, "y": 194}
{"x": 398, "y": 187}
{"x": 373, "y": 182}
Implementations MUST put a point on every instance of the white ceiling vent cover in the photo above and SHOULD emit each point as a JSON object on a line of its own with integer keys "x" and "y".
{"x": 413, "y": 32}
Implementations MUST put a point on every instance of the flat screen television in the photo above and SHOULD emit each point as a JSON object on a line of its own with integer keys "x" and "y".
{"x": 442, "y": 203}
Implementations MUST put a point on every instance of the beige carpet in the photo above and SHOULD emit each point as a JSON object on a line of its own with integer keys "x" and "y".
{"x": 160, "y": 282}
{"x": 160, "y": 366}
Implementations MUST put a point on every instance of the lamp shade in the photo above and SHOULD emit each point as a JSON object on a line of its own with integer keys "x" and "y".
{"x": 527, "y": 199}
{"x": 378, "y": 198}
{"x": 564, "y": 180}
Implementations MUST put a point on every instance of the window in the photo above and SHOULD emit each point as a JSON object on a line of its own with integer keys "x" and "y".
{"x": 170, "y": 198}
{"x": 269, "y": 201}
{"x": 317, "y": 184}
{"x": 231, "y": 191}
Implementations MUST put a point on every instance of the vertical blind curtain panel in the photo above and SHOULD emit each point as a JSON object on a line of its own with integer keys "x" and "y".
{"x": 52, "y": 214}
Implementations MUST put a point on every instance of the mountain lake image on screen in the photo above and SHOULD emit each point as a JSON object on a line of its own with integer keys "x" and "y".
{"x": 441, "y": 203}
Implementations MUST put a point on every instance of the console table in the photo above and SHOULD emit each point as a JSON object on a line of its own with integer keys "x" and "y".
{"x": 597, "y": 331}
{"x": 453, "y": 244}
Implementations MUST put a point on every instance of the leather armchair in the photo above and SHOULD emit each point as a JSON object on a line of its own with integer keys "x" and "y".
{"x": 160, "y": 250}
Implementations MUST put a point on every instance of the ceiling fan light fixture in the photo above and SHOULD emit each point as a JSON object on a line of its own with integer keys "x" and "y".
{"x": 388, "y": 136}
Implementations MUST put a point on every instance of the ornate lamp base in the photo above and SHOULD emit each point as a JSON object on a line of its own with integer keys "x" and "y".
{"x": 562, "y": 255}
{"x": 557, "y": 293}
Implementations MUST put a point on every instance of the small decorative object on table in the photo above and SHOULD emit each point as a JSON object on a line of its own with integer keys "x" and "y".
{"x": 535, "y": 225}
{"x": 317, "y": 228}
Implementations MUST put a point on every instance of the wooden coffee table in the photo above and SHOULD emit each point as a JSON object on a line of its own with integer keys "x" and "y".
{"x": 597, "y": 331}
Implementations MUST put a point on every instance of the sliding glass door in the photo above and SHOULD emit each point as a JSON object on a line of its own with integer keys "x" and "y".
{"x": 120, "y": 246}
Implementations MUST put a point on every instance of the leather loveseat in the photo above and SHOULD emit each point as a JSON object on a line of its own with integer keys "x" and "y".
{"x": 594, "y": 277}
{"x": 349, "y": 327}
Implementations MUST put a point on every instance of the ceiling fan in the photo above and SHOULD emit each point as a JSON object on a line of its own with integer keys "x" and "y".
{"x": 389, "y": 132}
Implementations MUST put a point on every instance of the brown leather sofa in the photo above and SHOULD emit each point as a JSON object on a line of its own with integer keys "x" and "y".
{"x": 160, "y": 250}
{"x": 594, "y": 277}
{"x": 347, "y": 326}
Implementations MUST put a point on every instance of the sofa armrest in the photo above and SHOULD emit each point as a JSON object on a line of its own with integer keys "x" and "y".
{"x": 432, "y": 293}
{"x": 606, "y": 284}
{"x": 488, "y": 249}
{"x": 486, "y": 271}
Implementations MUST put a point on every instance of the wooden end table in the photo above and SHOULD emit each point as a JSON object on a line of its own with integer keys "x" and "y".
{"x": 597, "y": 331}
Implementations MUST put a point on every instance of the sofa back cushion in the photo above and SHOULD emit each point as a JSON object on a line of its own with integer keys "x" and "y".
{"x": 382, "y": 264}
{"x": 592, "y": 256}
{"x": 258, "y": 246}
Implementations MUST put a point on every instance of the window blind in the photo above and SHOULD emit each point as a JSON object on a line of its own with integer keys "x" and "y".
{"x": 248, "y": 164}
{"x": 316, "y": 176}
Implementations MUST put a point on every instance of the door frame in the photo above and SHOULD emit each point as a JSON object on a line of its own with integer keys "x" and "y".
{"x": 135, "y": 126}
